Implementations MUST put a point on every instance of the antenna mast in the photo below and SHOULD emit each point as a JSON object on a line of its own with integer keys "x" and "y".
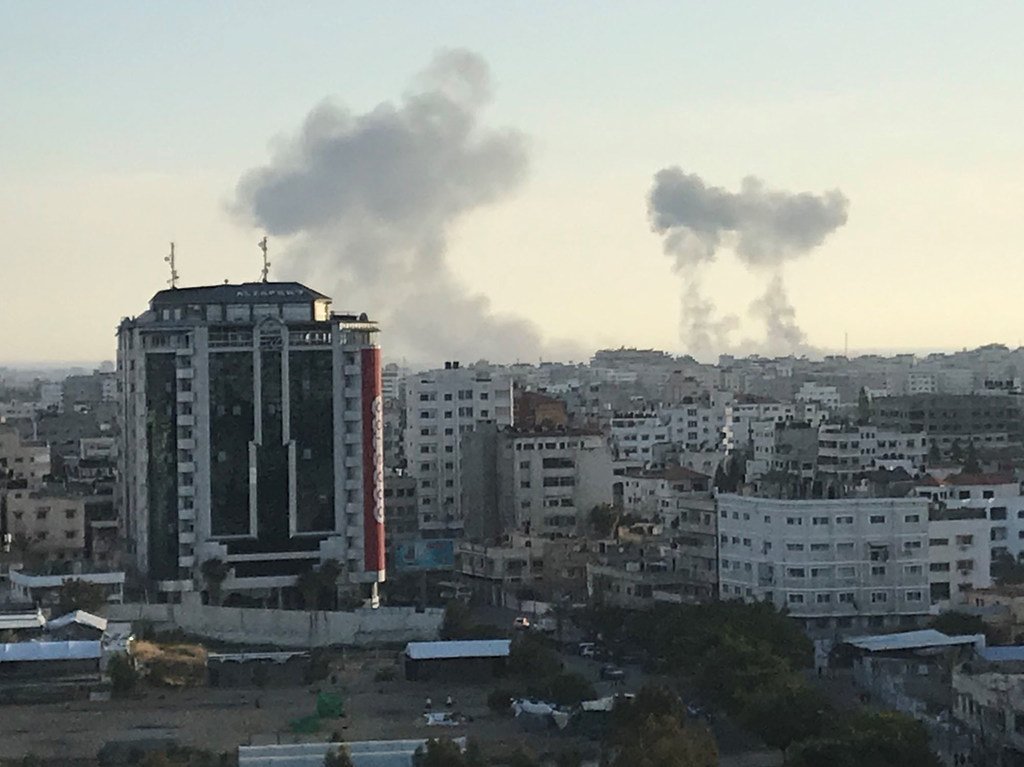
{"x": 173, "y": 282}
{"x": 266, "y": 264}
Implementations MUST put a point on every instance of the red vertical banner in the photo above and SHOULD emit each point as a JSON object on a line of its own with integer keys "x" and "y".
{"x": 373, "y": 461}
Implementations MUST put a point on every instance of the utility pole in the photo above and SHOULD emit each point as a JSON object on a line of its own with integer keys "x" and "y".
{"x": 173, "y": 282}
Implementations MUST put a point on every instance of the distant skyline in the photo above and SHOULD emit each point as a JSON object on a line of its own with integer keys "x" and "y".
{"x": 129, "y": 126}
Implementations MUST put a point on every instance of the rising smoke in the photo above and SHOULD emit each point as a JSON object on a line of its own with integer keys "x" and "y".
{"x": 763, "y": 227}
{"x": 370, "y": 199}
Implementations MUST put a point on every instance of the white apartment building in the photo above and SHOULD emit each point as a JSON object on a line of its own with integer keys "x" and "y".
{"x": 557, "y": 477}
{"x": 825, "y": 396}
{"x": 441, "y": 406}
{"x": 633, "y": 435}
{"x": 998, "y": 496}
{"x": 251, "y": 435}
{"x": 695, "y": 427}
{"x": 738, "y": 432}
{"x": 838, "y": 565}
{"x": 845, "y": 451}
{"x": 959, "y": 554}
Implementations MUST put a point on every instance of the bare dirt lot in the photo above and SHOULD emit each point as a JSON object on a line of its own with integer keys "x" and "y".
{"x": 221, "y": 719}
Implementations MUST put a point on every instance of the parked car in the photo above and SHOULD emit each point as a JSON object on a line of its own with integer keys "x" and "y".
{"x": 612, "y": 673}
{"x": 521, "y": 623}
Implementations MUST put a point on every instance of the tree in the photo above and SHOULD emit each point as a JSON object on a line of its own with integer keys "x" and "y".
{"x": 338, "y": 757}
{"x": 881, "y": 739}
{"x": 530, "y": 659}
{"x": 784, "y": 713}
{"x": 308, "y": 584}
{"x": 439, "y": 752}
{"x": 602, "y": 519}
{"x": 934, "y": 455}
{"x": 971, "y": 463}
{"x": 569, "y": 688}
{"x": 458, "y": 623}
{"x": 955, "y": 623}
{"x": 863, "y": 407}
{"x": 662, "y": 741}
{"x": 1005, "y": 569}
{"x": 215, "y": 572}
{"x": 956, "y": 452}
{"x": 123, "y": 676}
{"x": 75, "y": 594}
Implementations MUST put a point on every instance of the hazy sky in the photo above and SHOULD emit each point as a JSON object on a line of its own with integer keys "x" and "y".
{"x": 126, "y": 125}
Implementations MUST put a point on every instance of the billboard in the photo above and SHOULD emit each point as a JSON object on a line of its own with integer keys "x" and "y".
{"x": 373, "y": 461}
{"x": 424, "y": 555}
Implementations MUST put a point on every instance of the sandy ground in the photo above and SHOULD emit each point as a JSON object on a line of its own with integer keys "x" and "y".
{"x": 221, "y": 719}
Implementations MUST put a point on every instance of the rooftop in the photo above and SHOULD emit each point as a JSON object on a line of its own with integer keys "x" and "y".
{"x": 468, "y": 648}
{"x": 241, "y": 293}
{"x": 914, "y": 640}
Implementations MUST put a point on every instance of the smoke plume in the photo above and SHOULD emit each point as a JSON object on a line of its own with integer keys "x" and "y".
{"x": 764, "y": 228}
{"x": 369, "y": 200}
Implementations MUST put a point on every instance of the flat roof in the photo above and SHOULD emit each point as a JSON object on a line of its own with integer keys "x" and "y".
{"x": 80, "y": 617}
{"x": 1002, "y": 654}
{"x": 30, "y": 651}
{"x": 241, "y": 293}
{"x": 466, "y": 648}
{"x": 25, "y": 620}
{"x": 914, "y": 640}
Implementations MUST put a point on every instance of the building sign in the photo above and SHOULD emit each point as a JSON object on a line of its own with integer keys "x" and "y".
{"x": 373, "y": 461}
{"x": 424, "y": 555}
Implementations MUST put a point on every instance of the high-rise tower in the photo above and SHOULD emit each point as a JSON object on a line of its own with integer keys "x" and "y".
{"x": 251, "y": 433}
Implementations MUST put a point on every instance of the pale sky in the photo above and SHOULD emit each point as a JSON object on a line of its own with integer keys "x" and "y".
{"x": 124, "y": 126}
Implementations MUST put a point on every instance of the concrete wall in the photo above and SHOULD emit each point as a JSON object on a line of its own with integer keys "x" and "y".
{"x": 287, "y": 628}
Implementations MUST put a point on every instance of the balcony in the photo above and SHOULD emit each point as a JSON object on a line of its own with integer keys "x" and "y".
{"x": 184, "y": 373}
{"x": 186, "y": 515}
{"x": 186, "y": 467}
{"x": 187, "y": 538}
{"x": 185, "y": 396}
{"x": 188, "y": 561}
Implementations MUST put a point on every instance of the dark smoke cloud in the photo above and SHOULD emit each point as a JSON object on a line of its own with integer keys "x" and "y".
{"x": 370, "y": 198}
{"x": 764, "y": 227}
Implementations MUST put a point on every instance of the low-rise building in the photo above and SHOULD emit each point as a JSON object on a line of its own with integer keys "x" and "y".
{"x": 48, "y": 523}
{"x": 959, "y": 557}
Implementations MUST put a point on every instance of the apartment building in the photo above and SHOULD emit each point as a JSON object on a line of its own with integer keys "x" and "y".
{"x": 741, "y": 418}
{"x": 998, "y": 498}
{"x": 441, "y": 407}
{"x": 827, "y": 397}
{"x": 695, "y": 426}
{"x": 50, "y": 523}
{"x": 837, "y": 565}
{"x": 948, "y": 419}
{"x": 23, "y": 460}
{"x": 846, "y": 451}
{"x": 633, "y": 436}
{"x": 250, "y": 433}
{"x": 959, "y": 554}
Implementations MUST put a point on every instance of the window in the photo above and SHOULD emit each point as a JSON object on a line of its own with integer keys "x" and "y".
{"x": 988, "y": 494}
{"x": 794, "y": 521}
{"x": 911, "y": 545}
{"x": 819, "y": 520}
{"x": 911, "y": 519}
{"x": 878, "y": 597}
{"x": 938, "y": 542}
{"x": 41, "y": 514}
{"x": 939, "y": 567}
{"x": 964, "y": 540}
{"x": 844, "y": 520}
{"x": 69, "y": 534}
{"x": 823, "y": 599}
{"x": 796, "y": 599}
{"x": 795, "y": 572}
{"x": 915, "y": 596}
{"x": 820, "y": 547}
{"x": 912, "y": 569}
{"x": 878, "y": 569}
{"x": 997, "y": 513}
{"x": 965, "y": 565}
{"x": 844, "y": 547}
{"x": 877, "y": 519}
{"x": 846, "y": 597}
{"x": 69, "y": 513}
{"x": 846, "y": 571}
{"x": 794, "y": 547}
